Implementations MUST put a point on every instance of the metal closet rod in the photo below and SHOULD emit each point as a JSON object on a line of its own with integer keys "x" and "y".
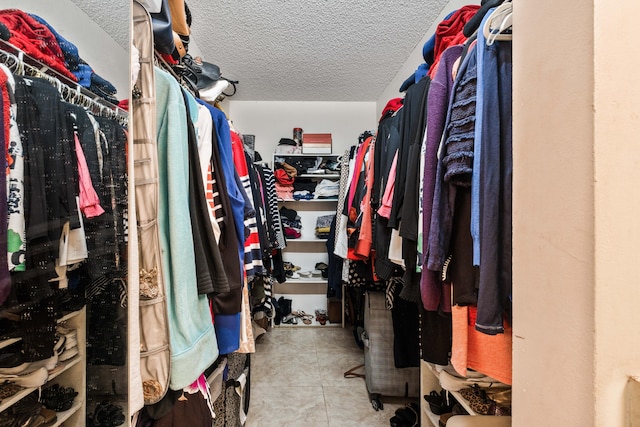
{"x": 20, "y": 62}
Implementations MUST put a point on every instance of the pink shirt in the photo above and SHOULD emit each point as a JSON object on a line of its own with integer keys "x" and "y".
{"x": 385, "y": 207}
{"x": 89, "y": 201}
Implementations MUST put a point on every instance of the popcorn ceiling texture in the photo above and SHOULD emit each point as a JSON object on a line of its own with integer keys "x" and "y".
{"x": 297, "y": 50}
{"x": 113, "y": 16}
{"x": 310, "y": 50}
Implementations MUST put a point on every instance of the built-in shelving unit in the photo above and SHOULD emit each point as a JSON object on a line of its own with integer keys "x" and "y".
{"x": 70, "y": 373}
{"x": 307, "y": 293}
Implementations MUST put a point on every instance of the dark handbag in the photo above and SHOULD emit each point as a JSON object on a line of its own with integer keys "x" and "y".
{"x": 162, "y": 30}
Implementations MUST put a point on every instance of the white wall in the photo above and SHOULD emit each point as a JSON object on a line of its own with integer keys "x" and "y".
{"x": 415, "y": 59}
{"x": 96, "y": 47}
{"x": 271, "y": 120}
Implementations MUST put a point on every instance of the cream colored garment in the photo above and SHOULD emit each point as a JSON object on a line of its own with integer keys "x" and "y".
{"x": 395, "y": 248}
{"x": 247, "y": 342}
{"x": 204, "y": 131}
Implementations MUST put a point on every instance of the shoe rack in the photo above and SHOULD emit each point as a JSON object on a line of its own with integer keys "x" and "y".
{"x": 430, "y": 380}
{"x": 69, "y": 373}
{"x": 308, "y": 293}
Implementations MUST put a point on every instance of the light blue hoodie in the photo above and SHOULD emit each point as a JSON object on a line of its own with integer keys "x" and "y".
{"x": 191, "y": 333}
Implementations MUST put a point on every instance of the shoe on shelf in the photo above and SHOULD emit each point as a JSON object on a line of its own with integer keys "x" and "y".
{"x": 12, "y": 363}
{"x": 290, "y": 319}
{"x": 25, "y": 412}
{"x": 48, "y": 364}
{"x": 68, "y": 353}
{"x": 290, "y": 266}
{"x": 60, "y": 344}
{"x": 48, "y": 416}
{"x": 9, "y": 389}
{"x": 29, "y": 380}
{"x": 322, "y": 316}
{"x": 58, "y": 398}
{"x": 440, "y": 403}
{"x": 306, "y": 318}
{"x": 70, "y": 336}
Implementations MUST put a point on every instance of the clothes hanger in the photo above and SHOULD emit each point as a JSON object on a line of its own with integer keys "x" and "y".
{"x": 500, "y": 20}
{"x": 16, "y": 61}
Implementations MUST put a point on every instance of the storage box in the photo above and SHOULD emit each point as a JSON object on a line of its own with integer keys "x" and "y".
{"x": 316, "y": 143}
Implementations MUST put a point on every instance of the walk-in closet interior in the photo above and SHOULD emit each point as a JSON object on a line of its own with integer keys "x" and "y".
{"x": 237, "y": 213}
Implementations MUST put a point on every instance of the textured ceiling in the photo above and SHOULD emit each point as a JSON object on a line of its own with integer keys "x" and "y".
{"x": 310, "y": 50}
{"x": 297, "y": 50}
{"x": 112, "y": 16}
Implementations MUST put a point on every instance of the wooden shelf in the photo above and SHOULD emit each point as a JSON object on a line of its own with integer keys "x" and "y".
{"x": 65, "y": 415}
{"x": 306, "y": 241}
{"x": 64, "y": 366}
{"x": 8, "y": 402}
{"x": 463, "y": 402}
{"x": 435, "y": 419}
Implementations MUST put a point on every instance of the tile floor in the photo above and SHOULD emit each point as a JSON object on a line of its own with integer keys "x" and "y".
{"x": 297, "y": 381}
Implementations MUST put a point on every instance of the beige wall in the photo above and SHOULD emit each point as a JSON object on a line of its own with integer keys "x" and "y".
{"x": 553, "y": 235}
{"x": 576, "y": 202}
{"x": 617, "y": 206}
{"x": 271, "y": 120}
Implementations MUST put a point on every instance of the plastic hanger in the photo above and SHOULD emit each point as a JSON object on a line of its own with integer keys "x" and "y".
{"x": 501, "y": 19}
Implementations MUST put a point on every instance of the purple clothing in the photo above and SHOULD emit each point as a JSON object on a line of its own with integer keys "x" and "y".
{"x": 437, "y": 106}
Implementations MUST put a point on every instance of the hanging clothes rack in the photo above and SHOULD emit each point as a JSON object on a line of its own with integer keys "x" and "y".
{"x": 22, "y": 64}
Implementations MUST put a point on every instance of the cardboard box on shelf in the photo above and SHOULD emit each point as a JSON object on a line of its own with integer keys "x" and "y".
{"x": 316, "y": 143}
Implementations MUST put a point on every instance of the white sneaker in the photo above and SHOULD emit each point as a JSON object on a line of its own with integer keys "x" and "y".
{"x": 71, "y": 336}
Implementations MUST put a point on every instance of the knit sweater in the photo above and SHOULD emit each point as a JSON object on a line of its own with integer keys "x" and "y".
{"x": 437, "y": 105}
